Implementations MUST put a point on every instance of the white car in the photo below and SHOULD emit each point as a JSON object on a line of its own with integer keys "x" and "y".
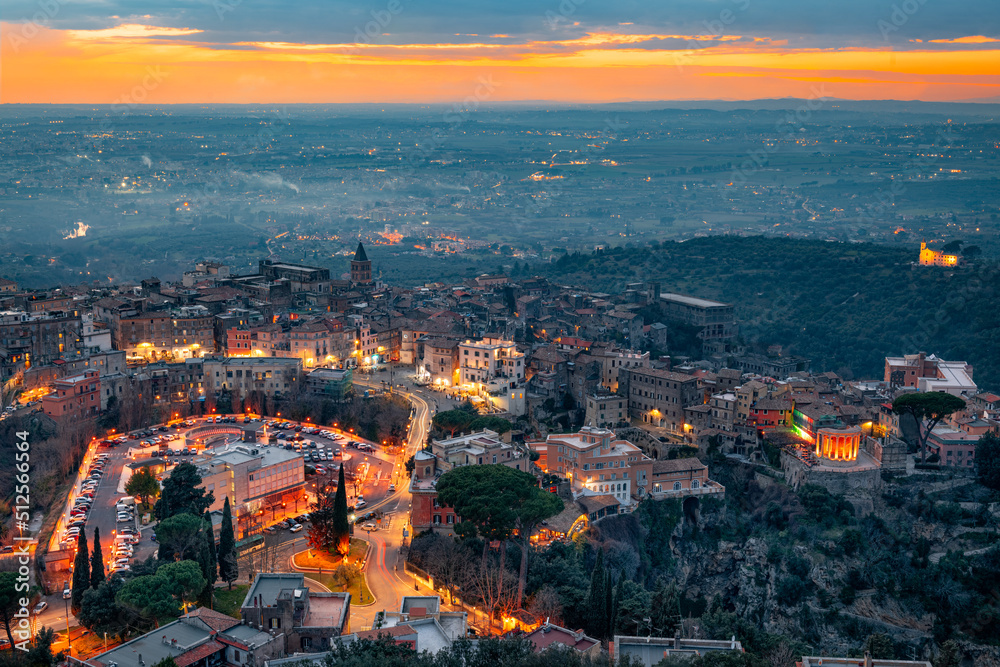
{"x": 296, "y": 528}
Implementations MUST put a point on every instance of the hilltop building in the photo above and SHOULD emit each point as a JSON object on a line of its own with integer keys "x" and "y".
{"x": 930, "y": 257}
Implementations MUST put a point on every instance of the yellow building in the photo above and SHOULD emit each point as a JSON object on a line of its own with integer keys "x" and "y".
{"x": 930, "y": 257}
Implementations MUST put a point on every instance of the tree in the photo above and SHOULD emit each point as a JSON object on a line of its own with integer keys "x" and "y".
{"x": 880, "y": 646}
{"x": 210, "y": 561}
{"x": 97, "y": 561}
{"x": 166, "y": 662}
{"x": 158, "y": 596}
{"x": 186, "y": 579}
{"x": 453, "y": 420}
{"x": 81, "y": 572}
{"x": 492, "y": 422}
{"x": 665, "y": 608}
{"x": 143, "y": 485}
{"x": 597, "y": 613}
{"x": 40, "y": 653}
{"x": 988, "y": 460}
{"x": 229, "y": 570}
{"x": 971, "y": 251}
{"x": 497, "y": 501}
{"x": 330, "y": 529}
{"x": 181, "y": 537}
{"x": 10, "y": 602}
{"x": 949, "y": 656}
{"x": 182, "y": 493}
{"x": 932, "y": 407}
{"x": 341, "y": 524}
{"x": 100, "y": 612}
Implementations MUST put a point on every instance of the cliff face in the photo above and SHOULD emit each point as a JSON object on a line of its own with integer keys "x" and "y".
{"x": 752, "y": 582}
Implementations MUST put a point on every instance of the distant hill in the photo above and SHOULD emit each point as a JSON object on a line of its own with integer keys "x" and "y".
{"x": 846, "y": 306}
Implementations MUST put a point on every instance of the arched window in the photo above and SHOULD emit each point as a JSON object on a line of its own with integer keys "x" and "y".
{"x": 677, "y": 486}
{"x": 695, "y": 484}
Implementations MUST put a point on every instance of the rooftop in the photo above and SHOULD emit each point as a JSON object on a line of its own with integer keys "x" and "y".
{"x": 549, "y": 635}
{"x": 267, "y": 586}
{"x": 693, "y": 301}
{"x": 326, "y": 610}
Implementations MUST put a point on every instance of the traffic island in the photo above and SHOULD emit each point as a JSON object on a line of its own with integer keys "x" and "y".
{"x": 333, "y": 572}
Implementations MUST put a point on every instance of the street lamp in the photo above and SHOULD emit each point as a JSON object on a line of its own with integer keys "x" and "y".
{"x": 69, "y": 641}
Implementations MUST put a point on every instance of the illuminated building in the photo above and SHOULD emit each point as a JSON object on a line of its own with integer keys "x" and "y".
{"x": 74, "y": 398}
{"x": 930, "y": 257}
{"x": 597, "y": 463}
{"x": 659, "y": 397}
{"x": 841, "y": 444}
{"x": 437, "y": 359}
{"x": 253, "y": 478}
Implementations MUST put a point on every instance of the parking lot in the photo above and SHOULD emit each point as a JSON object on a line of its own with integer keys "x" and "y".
{"x": 96, "y": 500}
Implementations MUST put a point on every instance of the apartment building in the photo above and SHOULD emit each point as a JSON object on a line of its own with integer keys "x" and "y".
{"x": 254, "y": 478}
{"x": 606, "y": 410}
{"x": 241, "y": 375}
{"x": 717, "y": 320}
{"x": 597, "y": 463}
{"x": 74, "y": 398}
{"x": 929, "y": 373}
{"x": 658, "y": 397}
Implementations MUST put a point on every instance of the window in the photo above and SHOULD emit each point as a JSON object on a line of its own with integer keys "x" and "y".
{"x": 274, "y": 623}
{"x": 695, "y": 484}
{"x": 677, "y": 486}
{"x": 236, "y": 655}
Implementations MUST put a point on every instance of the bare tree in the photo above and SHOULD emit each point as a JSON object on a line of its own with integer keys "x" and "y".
{"x": 496, "y": 587}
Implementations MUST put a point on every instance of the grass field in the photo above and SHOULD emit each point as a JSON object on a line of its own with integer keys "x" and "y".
{"x": 228, "y": 601}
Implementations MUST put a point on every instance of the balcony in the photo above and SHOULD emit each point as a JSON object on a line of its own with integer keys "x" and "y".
{"x": 711, "y": 488}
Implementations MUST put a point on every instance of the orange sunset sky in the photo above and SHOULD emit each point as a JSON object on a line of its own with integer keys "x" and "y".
{"x": 242, "y": 52}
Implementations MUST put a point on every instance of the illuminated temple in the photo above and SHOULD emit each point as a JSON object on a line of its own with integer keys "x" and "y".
{"x": 838, "y": 444}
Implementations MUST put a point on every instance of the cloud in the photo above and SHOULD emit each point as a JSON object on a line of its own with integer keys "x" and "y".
{"x": 132, "y": 31}
{"x": 972, "y": 39}
{"x": 835, "y": 24}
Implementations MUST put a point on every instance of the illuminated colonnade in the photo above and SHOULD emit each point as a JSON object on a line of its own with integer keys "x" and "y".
{"x": 838, "y": 444}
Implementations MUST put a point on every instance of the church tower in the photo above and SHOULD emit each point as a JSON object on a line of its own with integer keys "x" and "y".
{"x": 361, "y": 267}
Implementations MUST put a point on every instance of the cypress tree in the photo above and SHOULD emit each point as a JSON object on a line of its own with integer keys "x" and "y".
{"x": 81, "y": 572}
{"x": 341, "y": 525}
{"x": 616, "y": 605}
{"x": 608, "y": 604}
{"x": 596, "y": 598}
{"x": 229, "y": 570}
{"x": 97, "y": 562}
{"x": 210, "y": 564}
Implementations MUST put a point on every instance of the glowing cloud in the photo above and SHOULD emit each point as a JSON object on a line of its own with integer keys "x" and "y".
{"x": 131, "y": 31}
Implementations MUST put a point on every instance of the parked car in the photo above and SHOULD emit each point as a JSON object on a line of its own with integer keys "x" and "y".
{"x": 67, "y": 593}
{"x": 296, "y": 528}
